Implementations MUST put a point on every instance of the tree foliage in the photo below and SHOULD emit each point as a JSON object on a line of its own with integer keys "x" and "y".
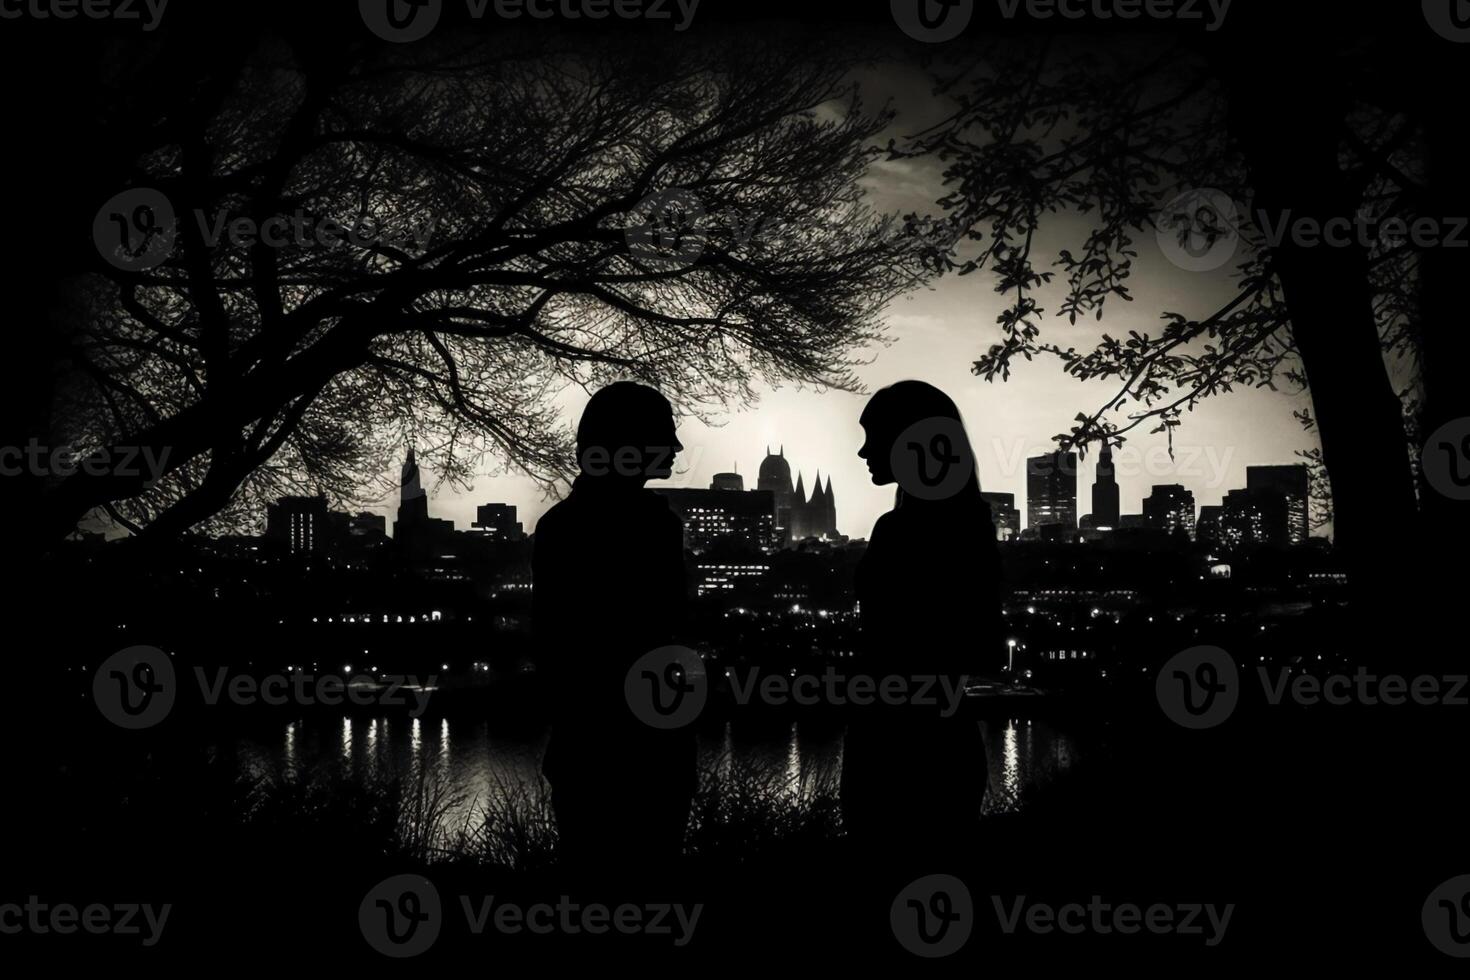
{"x": 538, "y": 220}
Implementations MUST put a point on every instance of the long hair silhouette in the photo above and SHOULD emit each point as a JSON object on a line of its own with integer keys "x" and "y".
{"x": 929, "y": 592}
{"x": 894, "y": 410}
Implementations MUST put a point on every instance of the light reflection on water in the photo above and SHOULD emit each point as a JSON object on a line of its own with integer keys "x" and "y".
{"x": 482, "y": 767}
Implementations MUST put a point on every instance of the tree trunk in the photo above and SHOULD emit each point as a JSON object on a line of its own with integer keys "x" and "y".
{"x": 1444, "y": 354}
{"x": 1290, "y": 139}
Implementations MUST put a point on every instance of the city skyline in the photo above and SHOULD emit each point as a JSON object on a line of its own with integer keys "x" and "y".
{"x": 936, "y": 334}
{"x": 1136, "y": 476}
{"x": 1272, "y": 503}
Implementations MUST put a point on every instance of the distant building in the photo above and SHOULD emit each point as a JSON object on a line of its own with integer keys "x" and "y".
{"x": 1132, "y": 522}
{"x": 1170, "y": 508}
{"x": 1254, "y": 517}
{"x": 1105, "y": 491}
{"x": 300, "y": 523}
{"x": 725, "y": 519}
{"x": 1293, "y": 482}
{"x": 1209, "y": 528}
{"x": 366, "y": 524}
{"x": 1051, "y": 490}
{"x": 500, "y": 521}
{"x": 1004, "y": 514}
{"x": 418, "y": 536}
{"x": 357, "y": 537}
{"x": 797, "y": 516}
{"x": 304, "y": 525}
{"x": 728, "y": 481}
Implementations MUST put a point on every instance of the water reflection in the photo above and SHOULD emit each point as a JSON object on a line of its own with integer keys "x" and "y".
{"x": 1024, "y": 754}
{"x": 483, "y": 768}
{"x": 347, "y": 743}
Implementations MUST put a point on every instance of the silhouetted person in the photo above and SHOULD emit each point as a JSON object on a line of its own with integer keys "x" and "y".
{"x": 929, "y": 592}
{"x": 609, "y": 587}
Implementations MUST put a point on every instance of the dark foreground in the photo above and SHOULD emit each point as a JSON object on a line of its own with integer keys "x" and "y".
{"x": 1320, "y": 832}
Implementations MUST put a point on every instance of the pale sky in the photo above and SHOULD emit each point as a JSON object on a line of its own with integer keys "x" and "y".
{"x": 937, "y": 335}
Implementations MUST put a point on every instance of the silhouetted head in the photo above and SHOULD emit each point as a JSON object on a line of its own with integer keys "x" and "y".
{"x": 627, "y": 435}
{"x": 894, "y": 410}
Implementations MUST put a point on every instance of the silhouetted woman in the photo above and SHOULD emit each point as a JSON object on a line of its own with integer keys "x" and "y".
{"x": 608, "y": 568}
{"x": 929, "y": 594}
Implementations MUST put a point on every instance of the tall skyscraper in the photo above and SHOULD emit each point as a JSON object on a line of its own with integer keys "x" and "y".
{"x": 1293, "y": 483}
{"x": 1170, "y": 508}
{"x": 413, "y": 503}
{"x": 416, "y": 534}
{"x": 1051, "y": 490}
{"x": 1105, "y": 491}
